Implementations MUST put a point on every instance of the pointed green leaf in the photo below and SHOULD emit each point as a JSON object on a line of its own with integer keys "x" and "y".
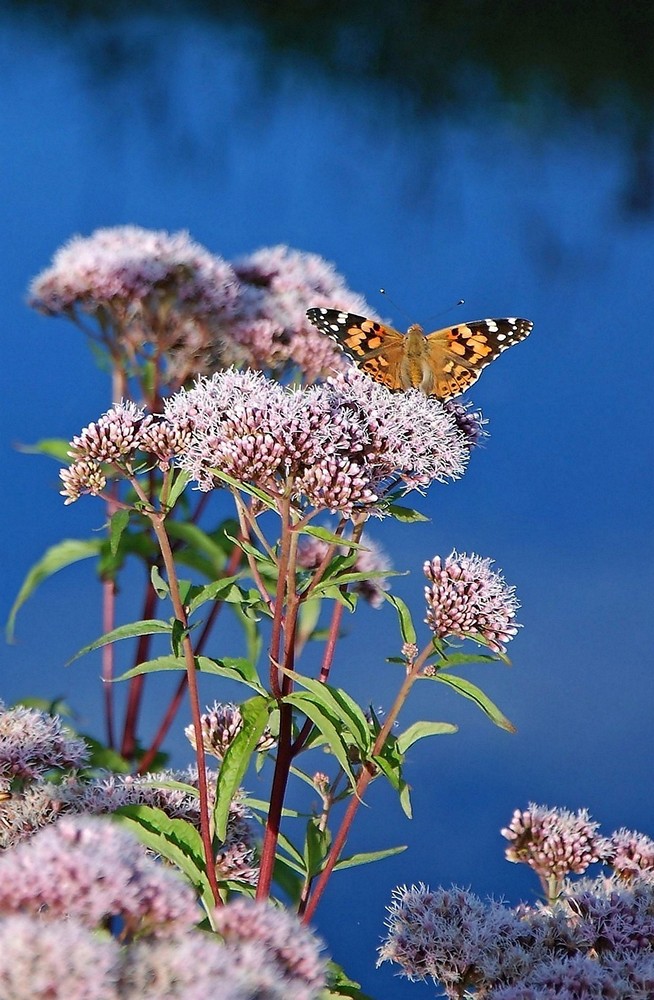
{"x": 404, "y": 616}
{"x": 160, "y": 586}
{"x": 211, "y": 592}
{"x": 340, "y": 985}
{"x": 117, "y": 525}
{"x": 420, "y": 730}
{"x": 340, "y": 704}
{"x": 253, "y": 491}
{"x": 235, "y": 668}
{"x": 147, "y": 627}
{"x": 405, "y": 514}
{"x": 52, "y": 447}
{"x": 316, "y": 846}
{"x": 367, "y": 858}
{"x": 342, "y": 579}
{"x": 180, "y": 483}
{"x": 393, "y": 772}
{"x": 197, "y": 539}
{"x": 57, "y": 557}
{"x": 327, "y": 723}
{"x": 235, "y": 762}
{"x": 475, "y": 694}
{"x": 461, "y": 659}
{"x": 328, "y": 536}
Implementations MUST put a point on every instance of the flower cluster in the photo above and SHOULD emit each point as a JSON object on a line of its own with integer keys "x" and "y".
{"x": 42, "y": 803}
{"x": 270, "y": 329}
{"x": 597, "y": 941}
{"x": 144, "y": 288}
{"x": 93, "y": 870}
{"x": 221, "y": 724}
{"x": 466, "y": 597}
{"x": 554, "y": 842}
{"x": 340, "y": 445}
{"x": 284, "y": 943}
{"x": 33, "y": 742}
{"x": 370, "y": 558}
{"x": 628, "y": 853}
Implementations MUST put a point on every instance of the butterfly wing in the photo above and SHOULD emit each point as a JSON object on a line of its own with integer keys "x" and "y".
{"x": 374, "y": 347}
{"x": 457, "y": 355}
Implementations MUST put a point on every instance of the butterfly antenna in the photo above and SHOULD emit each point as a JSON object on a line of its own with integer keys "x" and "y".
{"x": 382, "y": 291}
{"x": 461, "y": 302}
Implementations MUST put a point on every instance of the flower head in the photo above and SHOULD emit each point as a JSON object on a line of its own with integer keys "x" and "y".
{"x": 144, "y": 288}
{"x": 33, "y": 742}
{"x": 286, "y": 945}
{"x": 93, "y": 870}
{"x": 270, "y": 329}
{"x": 60, "y": 961}
{"x": 553, "y": 842}
{"x": 629, "y": 853}
{"x": 338, "y": 446}
{"x": 466, "y": 597}
{"x": 221, "y": 723}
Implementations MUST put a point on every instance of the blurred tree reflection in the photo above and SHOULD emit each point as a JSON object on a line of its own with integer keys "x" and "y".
{"x": 542, "y": 62}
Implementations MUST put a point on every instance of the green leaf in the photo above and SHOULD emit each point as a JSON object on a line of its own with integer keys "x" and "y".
{"x": 147, "y": 627}
{"x": 65, "y": 553}
{"x": 340, "y": 704}
{"x": 117, "y": 525}
{"x": 404, "y": 616}
{"x": 235, "y": 762}
{"x": 420, "y": 730}
{"x": 211, "y": 592}
{"x": 345, "y": 597}
{"x": 316, "y": 847}
{"x": 345, "y": 578}
{"x": 52, "y": 447}
{"x": 160, "y": 586}
{"x": 328, "y": 536}
{"x": 460, "y": 659}
{"x": 475, "y": 694}
{"x": 391, "y": 767}
{"x": 405, "y": 514}
{"x": 235, "y": 668}
{"x": 174, "y": 839}
{"x": 327, "y": 723}
{"x": 340, "y": 985}
{"x": 180, "y": 483}
{"x": 253, "y": 491}
{"x": 367, "y": 858}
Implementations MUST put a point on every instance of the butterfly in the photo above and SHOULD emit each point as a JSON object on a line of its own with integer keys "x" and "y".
{"x": 443, "y": 364}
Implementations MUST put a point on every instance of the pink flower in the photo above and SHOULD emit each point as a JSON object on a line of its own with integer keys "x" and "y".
{"x": 466, "y": 597}
{"x": 553, "y": 842}
{"x": 33, "y": 742}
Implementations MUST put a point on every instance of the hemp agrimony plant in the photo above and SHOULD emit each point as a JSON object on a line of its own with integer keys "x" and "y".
{"x": 222, "y": 390}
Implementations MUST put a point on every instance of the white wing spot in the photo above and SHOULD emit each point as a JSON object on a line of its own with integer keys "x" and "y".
{"x": 512, "y": 320}
{"x": 335, "y": 327}
{"x": 491, "y": 324}
{"x": 501, "y": 336}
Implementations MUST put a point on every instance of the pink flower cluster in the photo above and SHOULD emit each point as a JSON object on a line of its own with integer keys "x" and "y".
{"x": 554, "y": 842}
{"x": 465, "y": 597}
{"x": 340, "y": 445}
{"x": 369, "y": 559}
{"x": 33, "y": 742}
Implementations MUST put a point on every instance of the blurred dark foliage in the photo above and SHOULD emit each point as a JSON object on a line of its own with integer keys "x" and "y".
{"x": 548, "y": 61}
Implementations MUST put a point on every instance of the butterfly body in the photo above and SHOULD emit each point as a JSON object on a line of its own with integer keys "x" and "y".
{"x": 443, "y": 364}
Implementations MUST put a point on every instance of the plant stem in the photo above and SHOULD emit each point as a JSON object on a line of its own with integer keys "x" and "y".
{"x": 368, "y": 772}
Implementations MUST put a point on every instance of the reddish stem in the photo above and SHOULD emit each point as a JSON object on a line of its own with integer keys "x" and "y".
{"x": 137, "y": 684}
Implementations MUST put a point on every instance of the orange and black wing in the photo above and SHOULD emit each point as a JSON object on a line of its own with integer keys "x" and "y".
{"x": 374, "y": 347}
{"x": 457, "y": 355}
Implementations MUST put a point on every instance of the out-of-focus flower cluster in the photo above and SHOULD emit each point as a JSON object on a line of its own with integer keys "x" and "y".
{"x": 465, "y": 597}
{"x": 70, "y": 878}
{"x": 33, "y": 743}
{"x": 65, "y": 888}
{"x": 150, "y": 293}
{"x": 340, "y": 446}
{"x": 594, "y": 940}
{"x": 161, "y": 295}
{"x": 369, "y": 559}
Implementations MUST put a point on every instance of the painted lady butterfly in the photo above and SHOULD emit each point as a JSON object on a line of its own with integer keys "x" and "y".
{"x": 443, "y": 364}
